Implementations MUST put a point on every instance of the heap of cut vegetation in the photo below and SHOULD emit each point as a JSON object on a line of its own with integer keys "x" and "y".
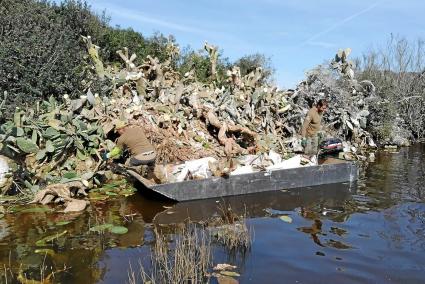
{"x": 192, "y": 104}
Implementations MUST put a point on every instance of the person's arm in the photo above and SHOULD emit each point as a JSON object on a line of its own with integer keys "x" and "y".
{"x": 121, "y": 141}
{"x": 306, "y": 123}
{"x": 116, "y": 152}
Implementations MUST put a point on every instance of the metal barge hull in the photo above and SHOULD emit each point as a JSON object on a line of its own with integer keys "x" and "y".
{"x": 263, "y": 181}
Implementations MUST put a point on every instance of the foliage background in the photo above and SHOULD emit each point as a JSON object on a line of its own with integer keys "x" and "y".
{"x": 42, "y": 54}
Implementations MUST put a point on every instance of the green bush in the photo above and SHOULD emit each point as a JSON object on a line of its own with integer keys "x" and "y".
{"x": 200, "y": 62}
{"x": 41, "y": 52}
{"x": 117, "y": 38}
{"x": 249, "y": 63}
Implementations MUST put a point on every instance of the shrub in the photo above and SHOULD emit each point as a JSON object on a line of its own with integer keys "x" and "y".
{"x": 249, "y": 63}
{"x": 40, "y": 48}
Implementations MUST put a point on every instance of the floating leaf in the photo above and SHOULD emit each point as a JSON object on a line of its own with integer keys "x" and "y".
{"x": 45, "y": 251}
{"x": 26, "y": 145}
{"x": 100, "y": 228}
{"x": 62, "y": 223}
{"x": 127, "y": 192}
{"x": 230, "y": 273}
{"x": 37, "y": 210}
{"x": 97, "y": 196}
{"x": 120, "y": 230}
{"x": 111, "y": 193}
{"x": 286, "y": 219}
{"x": 48, "y": 239}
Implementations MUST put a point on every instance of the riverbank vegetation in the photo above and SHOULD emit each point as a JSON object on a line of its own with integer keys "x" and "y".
{"x": 43, "y": 55}
{"x": 65, "y": 82}
{"x": 67, "y": 75}
{"x": 397, "y": 70}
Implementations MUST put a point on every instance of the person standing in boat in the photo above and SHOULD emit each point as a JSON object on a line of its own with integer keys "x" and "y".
{"x": 133, "y": 138}
{"x": 312, "y": 127}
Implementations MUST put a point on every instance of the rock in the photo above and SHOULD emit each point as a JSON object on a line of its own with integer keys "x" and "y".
{"x": 75, "y": 205}
{"x": 63, "y": 193}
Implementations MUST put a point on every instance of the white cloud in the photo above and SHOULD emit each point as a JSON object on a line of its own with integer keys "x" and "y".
{"x": 342, "y": 22}
{"x": 137, "y": 16}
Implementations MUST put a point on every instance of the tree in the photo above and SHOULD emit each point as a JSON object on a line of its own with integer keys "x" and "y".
{"x": 398, "y": 72}
{"x": 41, "y": 51}
{"x": 249, "y": 63}
{"x": 201, "y": 64}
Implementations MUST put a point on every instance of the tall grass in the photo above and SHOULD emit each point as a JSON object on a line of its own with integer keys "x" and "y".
{"x": 231, "y": 230}
{"x": 185, "y": 261}
{"x": 188, "y": 258}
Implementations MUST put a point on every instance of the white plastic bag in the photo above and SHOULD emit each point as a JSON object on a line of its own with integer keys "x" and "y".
{"x": 293, "y": 162}
{"x": 4, "y": 169}
{"x": 242, "y": 170}
{"x": 197, "y": 168}
{"x": 275, "y": 157}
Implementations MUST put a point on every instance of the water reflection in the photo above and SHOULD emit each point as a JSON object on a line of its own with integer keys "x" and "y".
{"x": 82, "y": 252}
{"x": 256, "y": 205}
{"x": 79, "y": 249}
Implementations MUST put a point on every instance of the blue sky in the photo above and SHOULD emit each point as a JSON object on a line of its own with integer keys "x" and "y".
{"x": 296, "y": 34}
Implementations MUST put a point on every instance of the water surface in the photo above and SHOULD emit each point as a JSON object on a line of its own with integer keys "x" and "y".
{"x": 371, "y": 233}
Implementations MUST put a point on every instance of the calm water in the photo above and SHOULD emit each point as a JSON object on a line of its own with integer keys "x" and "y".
{"x": 371, "y": 233}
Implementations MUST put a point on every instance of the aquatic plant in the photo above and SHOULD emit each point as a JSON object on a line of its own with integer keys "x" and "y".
{"x": 186, "y": 261}
{"x": 231, "y": 230}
